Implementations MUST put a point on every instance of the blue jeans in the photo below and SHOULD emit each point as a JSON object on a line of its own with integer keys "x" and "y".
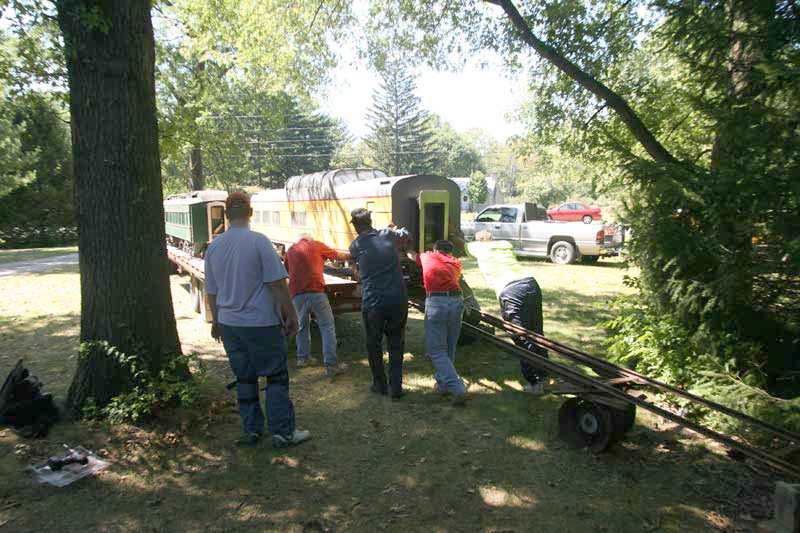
{"x": 306, "y": 303}
{"x": 255, "y": 352}
{"x": 442, "y": 328}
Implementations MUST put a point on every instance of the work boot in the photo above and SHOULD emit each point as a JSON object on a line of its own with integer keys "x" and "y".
{"x": 336, "y": 369}
{"x": 378, "y": 388}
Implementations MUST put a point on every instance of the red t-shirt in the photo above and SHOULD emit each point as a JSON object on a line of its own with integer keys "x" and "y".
{"x": 440, "y": 272}
{"x": 304, "y": 261}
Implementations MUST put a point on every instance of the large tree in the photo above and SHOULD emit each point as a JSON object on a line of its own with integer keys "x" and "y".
{"x": 399, "y": 137}
{"x": 228, "y": 65}
{"x": 125, "y": 291}
{"x": 739, "y": 61}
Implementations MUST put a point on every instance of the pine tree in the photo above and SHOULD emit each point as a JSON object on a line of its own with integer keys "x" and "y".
{"x": 399, "y": 140}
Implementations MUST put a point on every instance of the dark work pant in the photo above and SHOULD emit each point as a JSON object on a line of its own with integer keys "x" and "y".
{"x": 255, "y": 352}
{"x": 521, "y": 304}
{"x": 389, "y": 320}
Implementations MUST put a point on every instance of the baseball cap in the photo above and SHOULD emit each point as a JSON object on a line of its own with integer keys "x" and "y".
{"x": 237, "y": 199}
{"x": 359, "y": 214}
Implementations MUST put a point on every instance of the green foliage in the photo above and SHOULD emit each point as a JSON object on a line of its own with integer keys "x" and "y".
{"x": 149, "y": 392}
{"x": 477, "y": 188}
{"x": 453, "y": 155}
{"x": 41, "y": 210}
{"x": 546, "y": 175}
{"x": 233, "y": 84}
{"x": 650, "y": 341}
{"x": 399, "y": 139}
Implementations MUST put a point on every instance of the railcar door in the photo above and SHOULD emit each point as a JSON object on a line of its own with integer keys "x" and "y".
{"x": 217, "y": 223}
{"x": 434, "y": 211}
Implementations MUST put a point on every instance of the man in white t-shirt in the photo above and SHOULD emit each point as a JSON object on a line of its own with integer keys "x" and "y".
{"x": 253, "y": 315}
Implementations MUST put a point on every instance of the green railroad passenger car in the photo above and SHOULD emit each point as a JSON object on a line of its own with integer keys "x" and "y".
{"x": 191, "y": 220}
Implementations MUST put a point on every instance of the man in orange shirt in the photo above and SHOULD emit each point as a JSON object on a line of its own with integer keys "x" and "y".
{"x": 444, "y": 307}
{"x": 304, "y": 261}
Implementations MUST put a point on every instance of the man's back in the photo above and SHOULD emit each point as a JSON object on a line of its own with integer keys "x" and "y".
{"x": 305, "y": 261}
{"x": 497, "y": 263}
{"x": 237, "y": 265}
{"x": 381, "y": 278}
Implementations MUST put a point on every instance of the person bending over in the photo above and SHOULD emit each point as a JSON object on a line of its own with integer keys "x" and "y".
{"x": 519, "y": 295}
{"x": 444, "y": 307}
{"x": 384, "y": 301}
{"x": 252, "y": 315}
{"x": 305, "y": 262}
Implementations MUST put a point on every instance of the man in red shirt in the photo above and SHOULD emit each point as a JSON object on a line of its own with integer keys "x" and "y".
{"x": 444, "y": 306}
{"x": 304, "y": 261}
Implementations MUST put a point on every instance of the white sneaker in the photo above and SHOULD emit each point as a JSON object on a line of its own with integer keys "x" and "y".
{"x": 299, "y": 435}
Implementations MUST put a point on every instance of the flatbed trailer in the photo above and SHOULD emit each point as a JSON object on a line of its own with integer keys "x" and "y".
{"x": 602, "y": 408}
{"x": 344, "y": 294}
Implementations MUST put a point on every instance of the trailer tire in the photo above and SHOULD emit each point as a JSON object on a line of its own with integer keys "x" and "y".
{"x": 623, "y": 421}
{"x": 586, "y": 424}
{"x": 562, "y": 253}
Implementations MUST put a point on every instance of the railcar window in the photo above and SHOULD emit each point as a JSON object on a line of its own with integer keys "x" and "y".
{"x": 266, "y": 217}
{"x": 276, "y": 218}
{"x": 257, "y": 217}
{"x": 298, "y": 218}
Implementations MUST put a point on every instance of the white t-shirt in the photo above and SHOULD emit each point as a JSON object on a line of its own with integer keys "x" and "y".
{"x": 237, "y": 265}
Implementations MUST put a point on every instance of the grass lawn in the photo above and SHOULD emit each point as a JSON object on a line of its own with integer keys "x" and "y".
{"x": 28, "y": 254}
{"x": 373, "y": 464}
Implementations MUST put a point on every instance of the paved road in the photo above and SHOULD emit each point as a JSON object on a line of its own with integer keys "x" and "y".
{"x": 37, "y": 265}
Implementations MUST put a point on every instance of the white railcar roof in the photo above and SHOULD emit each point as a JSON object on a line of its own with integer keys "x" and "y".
{"x": 196, "y": 197}
{"x": 326, "y": 185}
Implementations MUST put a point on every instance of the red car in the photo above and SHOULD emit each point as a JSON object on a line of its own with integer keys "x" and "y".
{"x": 575, "y": 211}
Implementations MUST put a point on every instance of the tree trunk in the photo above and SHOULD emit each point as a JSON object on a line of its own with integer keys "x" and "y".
{"x": 125, "y": 291}
{"x": 730, "y": 160}
{"x": 196, "y": 168}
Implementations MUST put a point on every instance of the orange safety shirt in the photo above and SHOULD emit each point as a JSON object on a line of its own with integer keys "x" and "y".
{"x": 304, "y": 261}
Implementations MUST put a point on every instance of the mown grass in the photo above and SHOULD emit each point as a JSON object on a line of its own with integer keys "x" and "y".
{"x": 373, "y": 464}
{"x": 28, "y": 254}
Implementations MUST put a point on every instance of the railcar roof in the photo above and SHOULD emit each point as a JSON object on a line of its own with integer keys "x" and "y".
{"x": 321, "y": 184}
{"x": 196, "y": 197}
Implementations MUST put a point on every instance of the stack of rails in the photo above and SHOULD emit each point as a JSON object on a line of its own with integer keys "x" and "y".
{"x": 604, "y": 408}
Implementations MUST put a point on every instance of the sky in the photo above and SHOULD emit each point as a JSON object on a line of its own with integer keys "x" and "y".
{"x": 469, "y": 99}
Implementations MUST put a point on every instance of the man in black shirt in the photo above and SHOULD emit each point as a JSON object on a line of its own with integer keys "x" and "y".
{"x": 384, "y": 303}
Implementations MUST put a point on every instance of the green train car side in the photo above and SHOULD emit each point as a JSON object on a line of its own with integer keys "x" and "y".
{"x": 191, "y": 220}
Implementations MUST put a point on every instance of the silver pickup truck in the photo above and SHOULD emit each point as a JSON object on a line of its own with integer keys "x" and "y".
{"x": 531, "y": 233}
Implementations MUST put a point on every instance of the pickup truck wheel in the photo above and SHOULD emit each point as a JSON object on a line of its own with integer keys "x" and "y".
{"x": 587, "y": 219}
{"x": 562, "y": 253}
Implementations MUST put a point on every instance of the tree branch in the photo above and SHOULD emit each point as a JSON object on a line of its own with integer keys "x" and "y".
{"x": 616, "y": 102}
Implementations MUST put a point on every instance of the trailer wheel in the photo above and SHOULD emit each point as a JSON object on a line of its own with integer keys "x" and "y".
{"x": 623, "y": 421}
{"x": 586, "y": 424}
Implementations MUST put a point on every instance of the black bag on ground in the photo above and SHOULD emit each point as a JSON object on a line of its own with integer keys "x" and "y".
{"x": 23, "y": 406}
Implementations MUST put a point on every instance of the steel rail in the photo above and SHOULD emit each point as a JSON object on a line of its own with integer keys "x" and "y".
{"x": 580, "y": 378}
{"x": 595, "y": 362}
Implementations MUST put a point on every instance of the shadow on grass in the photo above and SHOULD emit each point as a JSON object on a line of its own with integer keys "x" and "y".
{"x": 373, "y": 464}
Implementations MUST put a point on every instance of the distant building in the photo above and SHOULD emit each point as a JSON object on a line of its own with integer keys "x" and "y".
{"x": 495, "y": 195}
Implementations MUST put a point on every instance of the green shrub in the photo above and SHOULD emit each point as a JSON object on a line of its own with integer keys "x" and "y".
{"x": 150, "y": 393}
{"x": 653, "y": 344}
